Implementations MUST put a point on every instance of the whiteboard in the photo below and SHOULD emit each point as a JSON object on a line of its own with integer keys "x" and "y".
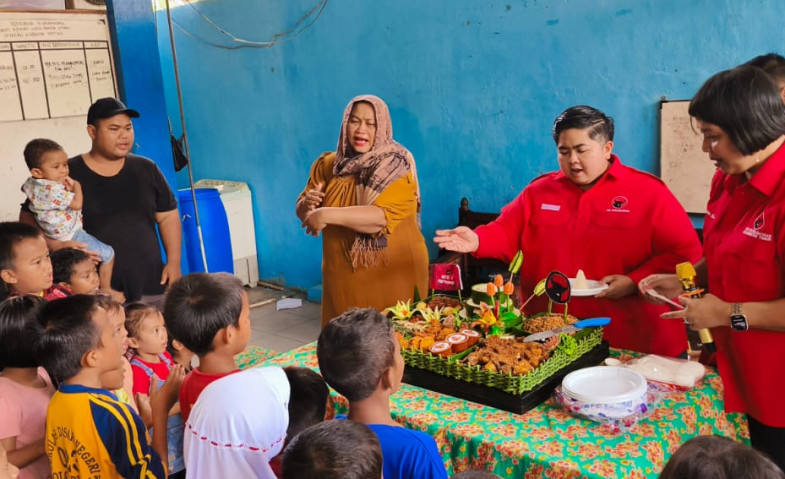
{"x": 53, "y": 66}
{"x": 684, "y": 167}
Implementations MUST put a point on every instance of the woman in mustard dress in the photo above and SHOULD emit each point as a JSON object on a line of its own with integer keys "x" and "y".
{"x": 365, "y": 201}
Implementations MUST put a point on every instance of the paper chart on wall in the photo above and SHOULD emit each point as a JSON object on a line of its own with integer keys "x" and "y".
{"x": 684, "y": 167}
{"x": 53, "y": 65}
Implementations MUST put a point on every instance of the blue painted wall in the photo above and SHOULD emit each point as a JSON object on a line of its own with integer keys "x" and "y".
{"x": 135, "y": 45}
{"x": 473, "y": 88}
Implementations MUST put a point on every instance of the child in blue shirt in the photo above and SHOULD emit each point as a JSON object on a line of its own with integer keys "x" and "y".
{"x": 360, "y": 358}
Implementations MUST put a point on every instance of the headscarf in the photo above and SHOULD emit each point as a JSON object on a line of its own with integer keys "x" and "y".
{"x": 374, "y": 171}
{"x": 238, "y": 425}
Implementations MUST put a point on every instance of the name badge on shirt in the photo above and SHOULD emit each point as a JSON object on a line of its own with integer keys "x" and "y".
{"x": 550, "y": 207}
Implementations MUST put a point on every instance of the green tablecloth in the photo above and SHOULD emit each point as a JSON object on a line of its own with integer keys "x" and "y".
{"x": 254, "y": 356}
{"x": 547, "y": 441}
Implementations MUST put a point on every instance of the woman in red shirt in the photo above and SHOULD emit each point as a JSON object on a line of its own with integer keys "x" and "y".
{"x": 614, "y": 222}
{"x": 742, "y": 119}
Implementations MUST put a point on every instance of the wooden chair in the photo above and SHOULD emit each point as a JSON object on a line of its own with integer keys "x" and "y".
{"x": 473, "y": 270}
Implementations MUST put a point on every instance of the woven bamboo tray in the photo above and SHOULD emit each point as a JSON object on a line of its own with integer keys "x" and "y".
{"x": 498, "y": 398}
{"x": 586, "y": 339}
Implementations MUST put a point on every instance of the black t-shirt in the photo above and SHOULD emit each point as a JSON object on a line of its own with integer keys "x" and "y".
{"x": 120, "y": 211}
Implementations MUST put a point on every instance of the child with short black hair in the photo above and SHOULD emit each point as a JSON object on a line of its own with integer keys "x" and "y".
{"x": 360, "y": 358}
{"x": 147, "y": 338}
{"x": 25, "y": 267}
{"x": 210, "y": 315}
{"x": 74, "y": 270}
{"x": 88, "y": 431}
{"x": 25, "y": 389}
{"x": 56, "y": 201}
{"x": 717, "y": 457}
{"x": 308, "y": 399}
{"x": 308, "y": 402}
{"x": 333, "y": 450}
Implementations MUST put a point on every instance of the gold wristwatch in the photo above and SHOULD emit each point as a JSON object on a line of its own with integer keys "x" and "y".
{"x": 738, "y": 320}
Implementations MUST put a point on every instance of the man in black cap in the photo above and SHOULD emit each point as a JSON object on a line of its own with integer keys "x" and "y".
{"x": 125, "y": 197}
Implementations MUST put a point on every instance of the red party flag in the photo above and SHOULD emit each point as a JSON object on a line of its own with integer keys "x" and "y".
{"x": 446, "y": 277}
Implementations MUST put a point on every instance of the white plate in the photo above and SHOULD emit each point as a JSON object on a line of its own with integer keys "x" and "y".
{"x": 594, "y": 288}
{"x": 604, "y": 385}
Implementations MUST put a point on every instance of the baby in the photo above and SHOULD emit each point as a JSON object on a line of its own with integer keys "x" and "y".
{"x": 56, "y": 201}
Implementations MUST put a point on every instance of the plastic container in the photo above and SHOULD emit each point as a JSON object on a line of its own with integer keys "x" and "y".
{"x": 236, "y": 197}
{"x": 605, "y": 392}
{"x": 215, "y": 231}
{"x": 604, "y": 384}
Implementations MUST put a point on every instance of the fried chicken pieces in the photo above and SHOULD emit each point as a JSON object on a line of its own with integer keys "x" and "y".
{"x": 507, "y": 355}
{"x": 424, "y": 339}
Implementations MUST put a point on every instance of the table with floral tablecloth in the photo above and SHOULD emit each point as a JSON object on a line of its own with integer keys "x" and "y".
{"x": 547, "y": 441}
{"x": 254, "y": 356}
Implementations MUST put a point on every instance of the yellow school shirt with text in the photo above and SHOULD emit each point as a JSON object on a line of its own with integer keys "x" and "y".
{"x": 90, "y": 434}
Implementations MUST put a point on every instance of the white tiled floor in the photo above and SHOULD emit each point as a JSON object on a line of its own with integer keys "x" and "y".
{"x": 282, "y": 330}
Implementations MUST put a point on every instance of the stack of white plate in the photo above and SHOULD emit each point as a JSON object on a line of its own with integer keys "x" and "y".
{"x": 605, "y": 392}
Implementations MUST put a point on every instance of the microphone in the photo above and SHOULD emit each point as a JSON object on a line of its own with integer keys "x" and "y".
{"x": 703, "y": 339}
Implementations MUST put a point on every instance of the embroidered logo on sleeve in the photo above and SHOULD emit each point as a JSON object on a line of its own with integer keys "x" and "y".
{"x": 550, "y": 207}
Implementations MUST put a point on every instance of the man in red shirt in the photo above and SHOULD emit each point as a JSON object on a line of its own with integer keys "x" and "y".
{"x": 615, "y": 223}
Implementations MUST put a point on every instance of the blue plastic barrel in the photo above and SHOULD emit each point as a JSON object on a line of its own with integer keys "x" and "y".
{"x": 215, "y": 231}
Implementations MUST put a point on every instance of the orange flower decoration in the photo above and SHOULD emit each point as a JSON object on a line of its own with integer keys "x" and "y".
{"x": 509, "y": 288}
{"x": 492, "y": 290}
{"x": 498, "y": 281}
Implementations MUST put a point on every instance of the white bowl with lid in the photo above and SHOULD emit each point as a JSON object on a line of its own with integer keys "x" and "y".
{"x": 605, "y": 392}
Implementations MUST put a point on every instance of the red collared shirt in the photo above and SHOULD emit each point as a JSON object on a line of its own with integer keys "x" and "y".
{"x": 193, "y": 385}
{"x": 628, "y": 223}
{"x": 744, "y": 250}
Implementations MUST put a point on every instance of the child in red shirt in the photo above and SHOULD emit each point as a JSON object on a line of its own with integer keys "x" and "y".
{"x": 210, "y": 315}
{"x": 147, "y": 337}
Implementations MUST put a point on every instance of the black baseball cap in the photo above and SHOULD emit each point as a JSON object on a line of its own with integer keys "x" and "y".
{"x": 107, "y": 108}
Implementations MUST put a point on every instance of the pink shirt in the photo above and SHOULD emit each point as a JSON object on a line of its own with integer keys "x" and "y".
{"x": 23, "y": 415}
